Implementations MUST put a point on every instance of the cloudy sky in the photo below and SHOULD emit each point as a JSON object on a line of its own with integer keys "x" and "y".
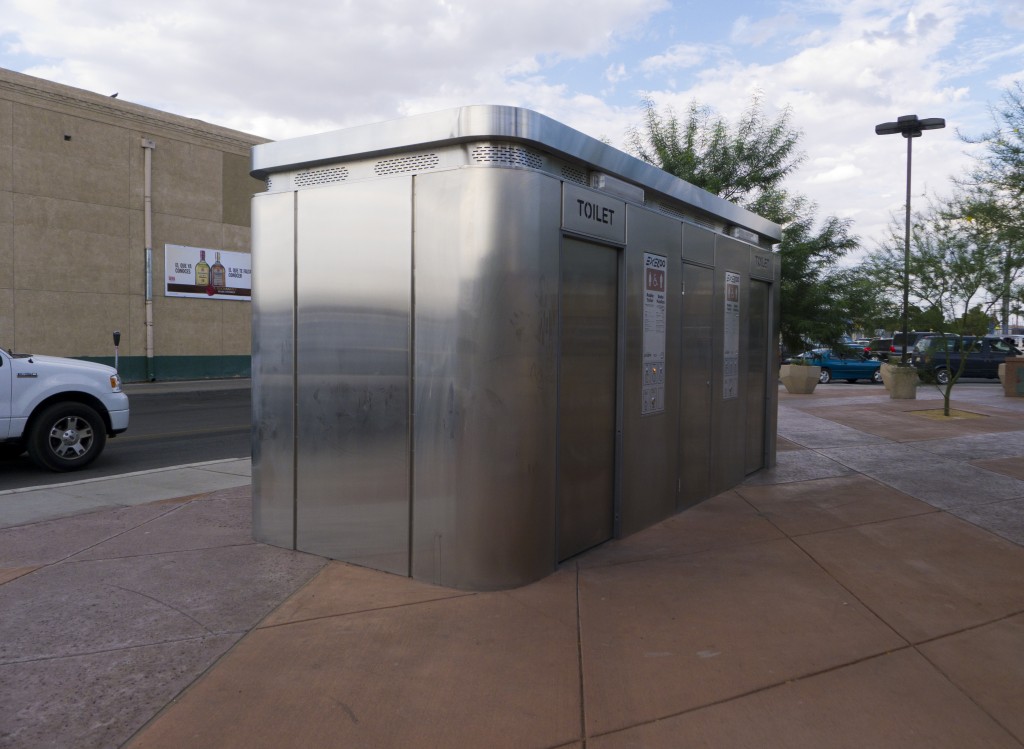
{"x": 287, "y": 69}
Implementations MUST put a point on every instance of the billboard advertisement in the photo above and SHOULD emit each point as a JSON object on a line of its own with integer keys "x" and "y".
{"x": 207, "y": 274}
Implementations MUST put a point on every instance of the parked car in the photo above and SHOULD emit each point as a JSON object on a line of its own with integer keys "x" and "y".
{"x": 60, "y": 410}
{"x": 913, "y": 336}
{"x": 846, "y": 363}
{"x": 879, "y": 348}
{"x": 939, "y": 357}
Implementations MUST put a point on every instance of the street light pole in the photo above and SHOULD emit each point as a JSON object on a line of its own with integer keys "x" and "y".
{"x": 910, "y": 127}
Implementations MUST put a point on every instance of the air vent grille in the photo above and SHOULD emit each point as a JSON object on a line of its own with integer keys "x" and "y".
{"x": 405, "y": 164}
{"x": 321, "y": 176}
{"x": 572, "y": 174}
{"x": 669, "y": 210}
{"x": 512, "y": 155}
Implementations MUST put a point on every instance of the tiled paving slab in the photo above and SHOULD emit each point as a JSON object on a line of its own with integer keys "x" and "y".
{"x": 894, "y": 701}
{"x": 482, "y": 670}
{"x": 714, "y": 626}
{"x": 223, "y": 520}
{"x": 341, "y": 588}
{"x": 978, "y": 447}
{"x": 1013, "y": 466}
{"x": 799, "y": 465}
{"x": 900, "y": 424}
{"x": 120, "y": 603}
{"x": 52, "y": 540}
{"x": 941, "y": 482}
{"x": 1005, "y": 519}
{"x": 825, "y": 504}
{"x": 926, "y": 576}
{"x": 98, "y": 700}
{"x": 813, "y": 431}
{"x": 987, "y": 663}
{"x": 720, "y": 522}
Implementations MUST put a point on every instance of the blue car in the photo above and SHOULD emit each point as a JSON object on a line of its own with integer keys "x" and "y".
{"x": 847, "y": 363}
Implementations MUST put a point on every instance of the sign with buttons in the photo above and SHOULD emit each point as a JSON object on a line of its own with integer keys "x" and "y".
{"x": 655, "y": 314}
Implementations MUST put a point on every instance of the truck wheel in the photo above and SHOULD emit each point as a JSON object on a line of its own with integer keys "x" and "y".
{"x": 942, "y": 376}
{"x": 66, "y": 437}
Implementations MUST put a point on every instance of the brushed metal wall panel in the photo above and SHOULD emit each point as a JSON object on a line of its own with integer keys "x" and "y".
{"x": 756, "y": 373}
{"x": 486, "y": 289}
{"x": 695, "y": 385}
{"x": 273, "y": 369}
{"x": 650, "y": 450}
{"x": 729, "y": 415}
{"x": 587, "y": 394}
{"x": 352, "y": 387}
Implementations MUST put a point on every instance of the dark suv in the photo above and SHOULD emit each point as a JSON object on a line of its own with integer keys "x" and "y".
{"x": 913, "y": 337}
{"x": 939, "y": 356}
{"x": 879, "y": 348}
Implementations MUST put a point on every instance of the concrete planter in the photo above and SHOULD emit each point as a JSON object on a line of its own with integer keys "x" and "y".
{"x": 902, "y": 383}
{"x": 884, "y": 369}
{"x": 799, "y": 378}
{"x": 1011, "y": 374}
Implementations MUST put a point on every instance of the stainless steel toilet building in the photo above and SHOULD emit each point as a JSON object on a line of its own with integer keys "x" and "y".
{"x": 484, "y": 342}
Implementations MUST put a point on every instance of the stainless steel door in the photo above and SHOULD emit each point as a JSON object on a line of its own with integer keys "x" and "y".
{"x": 695, "y": 385}
{"x": 757, "y": 375}
{"x": 586, "y": 395}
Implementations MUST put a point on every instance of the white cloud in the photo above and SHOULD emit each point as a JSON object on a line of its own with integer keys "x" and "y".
{"x": 615, "y": 73}
{"x": 746, "y": 31}
{"x": 274, "y": 70}
{"x": 240, "y": 60}
{"x": 676, "y": 57}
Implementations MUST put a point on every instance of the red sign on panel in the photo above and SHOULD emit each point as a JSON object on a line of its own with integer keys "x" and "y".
{"x": 655, "y": 280}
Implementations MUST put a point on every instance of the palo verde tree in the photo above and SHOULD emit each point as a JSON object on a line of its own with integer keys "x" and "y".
{"x": 952, "y": 269}
{"x": 992, "y": 193}
{"x": 747, "y": 162}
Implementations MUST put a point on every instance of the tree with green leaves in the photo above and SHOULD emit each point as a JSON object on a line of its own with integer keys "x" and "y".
{"x": 992, "y": 193}
{"x": 953, "y": 267}
{"x": 747, "y": 163}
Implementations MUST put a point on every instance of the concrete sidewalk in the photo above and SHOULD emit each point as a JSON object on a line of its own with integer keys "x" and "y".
{"x": 866, "y": 592}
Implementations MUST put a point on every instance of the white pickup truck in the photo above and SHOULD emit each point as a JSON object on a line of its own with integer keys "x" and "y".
{"x": 60, "y": 410}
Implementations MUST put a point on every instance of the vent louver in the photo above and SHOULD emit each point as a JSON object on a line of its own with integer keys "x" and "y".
{"x": 321, "y": 176}
{"x": 579, "y": 176}
{"x": 512, "y": 155}
{"x": 405, "y": 164}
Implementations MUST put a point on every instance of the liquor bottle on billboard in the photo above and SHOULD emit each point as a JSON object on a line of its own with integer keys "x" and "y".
{"x": 219, "y": 275}
{"x": 202, "y": 270}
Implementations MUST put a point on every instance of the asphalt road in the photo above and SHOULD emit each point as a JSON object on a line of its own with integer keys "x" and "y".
{"x": 166, "y": 429}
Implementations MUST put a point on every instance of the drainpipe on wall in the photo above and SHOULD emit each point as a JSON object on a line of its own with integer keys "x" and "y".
{"x": 147, "y": 197}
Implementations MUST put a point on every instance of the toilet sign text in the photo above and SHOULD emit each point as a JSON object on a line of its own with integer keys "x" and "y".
{"x": 594, "y": 213}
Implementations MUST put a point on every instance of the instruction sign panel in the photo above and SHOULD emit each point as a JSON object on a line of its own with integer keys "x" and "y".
{"x": 731, "y": 347}
{"x": 655, "y": 298}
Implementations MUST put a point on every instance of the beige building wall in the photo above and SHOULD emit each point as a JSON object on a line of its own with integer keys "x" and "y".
{"x": 72, "y": 232}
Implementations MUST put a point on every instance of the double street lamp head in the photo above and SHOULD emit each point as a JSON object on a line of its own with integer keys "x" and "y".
{"x": 909, "y": 126}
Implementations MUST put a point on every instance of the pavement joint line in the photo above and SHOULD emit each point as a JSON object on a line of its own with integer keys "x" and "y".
{"x": 23, "y": 489}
